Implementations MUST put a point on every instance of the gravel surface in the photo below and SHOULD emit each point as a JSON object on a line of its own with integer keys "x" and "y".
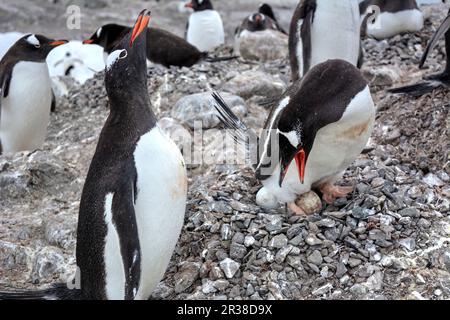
{"x": 388, "y": 240}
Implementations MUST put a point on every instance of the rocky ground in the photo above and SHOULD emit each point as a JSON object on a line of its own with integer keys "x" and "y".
{"x": 388, "y": 240}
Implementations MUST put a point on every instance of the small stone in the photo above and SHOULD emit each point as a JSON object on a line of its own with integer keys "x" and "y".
{"x": 323, "y": 290}
{"x": 341, "y": 270}
{"x": 358, "y": 289}
{"x": 353, "y": 262}
{"x": 312, "y": 240}
{"x": 275, "y": 223}
{"x": 326, "y": 223}
{"x": 315, "y": 257}
{"x": 237, "y": 251}
{"x": 283, "y": 253}
{"x": 229, "y": 267}
{"x": 409, "y": 212}
{"x": 432, "y": 180}
{"x": 408, "y": 243}
{"x": 208, "y": 287}
{"x": 225, "y": 232}
{"x": 186, "y": 276}
{"x": 375, "y": 281}
{"x": 249, "y": 241}
{"x": 279, "y": 241}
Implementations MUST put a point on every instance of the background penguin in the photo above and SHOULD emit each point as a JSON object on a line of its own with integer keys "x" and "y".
{"x": 133, "y": 202}
{"x": 267, "y": 10}
{"x": 322, "y": 123}
{"x": 394, "y": 17}
{"x": 163, "y": 47}
{"x": 256, "y": 22}
{"x": 437, "y": 80}
{"x": 205, "y": 28}
{"x": 25, "y": 94}
{"x": 322, "y": 30}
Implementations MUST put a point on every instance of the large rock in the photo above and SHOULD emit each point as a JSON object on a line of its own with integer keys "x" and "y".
{"x": 200, "y": 107}
{"x": 263, "y": 46}
{"x": 255, "y": 83}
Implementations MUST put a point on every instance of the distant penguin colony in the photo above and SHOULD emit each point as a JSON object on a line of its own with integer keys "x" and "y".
{"x": 26, "y": 94}
{"x": 391, "y": 17}
{"x": 205, "y": 27}
{"x": 322, "y": 133}
{"x": 322, "y": 30}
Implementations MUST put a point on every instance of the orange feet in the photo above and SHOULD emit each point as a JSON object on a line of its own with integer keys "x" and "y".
{"x": 296, "y": 209}
{"x": 331, "y": 192}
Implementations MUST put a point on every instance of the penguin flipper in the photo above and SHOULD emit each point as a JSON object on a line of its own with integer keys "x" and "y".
{"x": 443, "y": 28}
{"x": 56, "y": 292}
{"x": 5, "y": 81}
{"x": 53, "y": 106}
{"x": 418, "y": 89}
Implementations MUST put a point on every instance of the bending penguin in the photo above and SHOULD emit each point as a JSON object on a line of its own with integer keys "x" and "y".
{"x": 205, "y": 27}
{"x": 391, "y": 17}
{"x": 322, "y": 30}
{"x": 26, "y": 96}
{"x": 437, "y": 80}
{"x": 309, "y": 140}
{"x": 133, "y": 202}
{"x": 163, "y": 47}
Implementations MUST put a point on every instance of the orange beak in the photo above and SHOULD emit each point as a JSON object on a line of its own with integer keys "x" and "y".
{"x": 258, "y": 18}
{"x": 58, "y": 43}
{"x": 88, "y": 41}
{"x": 189, "y": 5}
{"x": 140, "y": 25}
{"x": 300, "y": 161}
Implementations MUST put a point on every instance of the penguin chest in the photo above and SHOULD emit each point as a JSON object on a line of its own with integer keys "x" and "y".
{"x": 25, "y": 111}
{"x": 335, "y": 32}
{"x": 160, "y": 205}
{"x": 338, "y": 144}
{"x": 205, "y": 30}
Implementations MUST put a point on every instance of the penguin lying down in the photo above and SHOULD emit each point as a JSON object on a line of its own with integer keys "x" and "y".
{"x": 163, "y": 47}
{"x": 134, "y": 198}
{"x": 310, "y": 139}
{"x": 432, "y": 82}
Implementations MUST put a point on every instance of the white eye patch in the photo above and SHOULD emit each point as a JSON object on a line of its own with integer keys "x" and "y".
{"x": 114, "y": 57}
{"x": 99, "y": 32}
{"x": 292, "y": 137}
{"x": 33, "y": 41}
{"x": 200, "y": 1}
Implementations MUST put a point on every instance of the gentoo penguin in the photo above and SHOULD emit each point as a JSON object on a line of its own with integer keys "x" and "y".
{"x": 205, "y": 28}
{"x": 25, "y": 94}
{"x": 267, "y": 10}
{"x": 322, "y": 123}
{"x": 437, "y": 80}
{"x": 392, "y": 18}
{"x": 134, "y": 198}
{"x": 322, "y": 30}
{"x": 163, "y": 47}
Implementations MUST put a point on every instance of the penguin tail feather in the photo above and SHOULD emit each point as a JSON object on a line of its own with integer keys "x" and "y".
{"x": 220, "y": 59}
{"x": 418, "y": 89}
{"x": 56, "y": 292}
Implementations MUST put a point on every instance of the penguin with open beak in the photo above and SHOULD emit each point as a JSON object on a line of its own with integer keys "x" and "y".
{"x": 435, "y": 81}
{"x": 25, "y": 94}
{"x": 134, "y": 198}
{"x": 313, "y": 133}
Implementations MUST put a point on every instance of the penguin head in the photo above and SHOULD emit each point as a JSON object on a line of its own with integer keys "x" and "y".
{"x": 199, "y": 5}
{"x": 108, "y": 36}
{"x": 257, "y": 22}
{"x": 34, "y": 47}
{"x": 126, "y": 65}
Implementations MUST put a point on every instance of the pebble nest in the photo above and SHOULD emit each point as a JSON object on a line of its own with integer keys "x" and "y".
{"x": 387, "y": 240}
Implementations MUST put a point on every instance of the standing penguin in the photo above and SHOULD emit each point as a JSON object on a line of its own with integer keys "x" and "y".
{"x": 322, "y": 133}
{"x": 134, "y": 199}
{"x": 25, "y": 94}
{"x": 205, "y": 28}
{"x": 392, "y": 17}
{"x": 163, "y": 47}
{"x": 322, "y": 30}
{"x": 437, "y": 80}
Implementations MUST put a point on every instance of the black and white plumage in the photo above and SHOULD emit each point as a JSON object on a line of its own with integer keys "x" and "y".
{"x": 389, "y": 18}
{"x": 25, "y": 94}
{"x": 205, "y": 27}
{"x": 322, "y": 30}
{"x": 322, "y": 123}
{"x": 435, "y": 81}
{"x": 133, "y": 202}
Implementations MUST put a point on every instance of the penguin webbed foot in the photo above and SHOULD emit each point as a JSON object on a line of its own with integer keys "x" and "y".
{"x": 296, "y": 209}
{"x": 331, "y": 192}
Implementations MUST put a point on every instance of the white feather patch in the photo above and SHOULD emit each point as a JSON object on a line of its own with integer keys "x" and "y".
{"x": 114, "y": 57}
{"x": 33, "y": 40}
{"x": 99, "y": 32}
